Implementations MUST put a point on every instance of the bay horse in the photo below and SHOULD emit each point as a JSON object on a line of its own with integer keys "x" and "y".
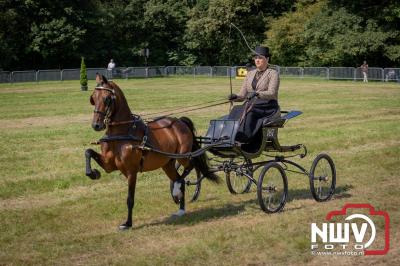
{"x": 125, "y": 147}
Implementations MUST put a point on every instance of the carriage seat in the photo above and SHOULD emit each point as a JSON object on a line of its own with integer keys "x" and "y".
{"x": 281, "y": 120}
{"x": 222, "y": 129}
{"x": 273, "y": 117}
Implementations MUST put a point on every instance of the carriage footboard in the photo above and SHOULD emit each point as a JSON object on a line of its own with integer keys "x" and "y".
{"x": 290, "y": 148}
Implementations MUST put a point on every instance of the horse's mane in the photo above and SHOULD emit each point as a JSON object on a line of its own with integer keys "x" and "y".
{"x": 121, "y": 99}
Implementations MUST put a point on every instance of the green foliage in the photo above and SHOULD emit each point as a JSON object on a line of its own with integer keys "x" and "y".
{"x": 207, "y": 33}
{"x": 341, "y": 38}
{"x": 337, "y": 33}
{"x": 286, "y": 37}
{"x": 55, "y": 39}
{"x": 83, "y": 73}
{"x": 165, "y": 23}
{"x": 40, "y": 34}
{"x": 15, "y": 21}
{"x": 175, "y": 32}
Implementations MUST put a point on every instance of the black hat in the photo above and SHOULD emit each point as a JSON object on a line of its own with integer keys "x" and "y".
{"x": 262, "y": 50}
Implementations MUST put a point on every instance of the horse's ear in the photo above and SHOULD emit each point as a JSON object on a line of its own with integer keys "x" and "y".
{"x": 104, "y": 79}
{"x": 98, "y": 78}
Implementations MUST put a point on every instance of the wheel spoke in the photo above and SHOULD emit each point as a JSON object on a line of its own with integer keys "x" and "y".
{"x": 320, "y": 189}
{"x": 269, "y": 200}
{"x": 236, "y": 178}
{"x": 272, "y": 188}
{"x": 322, "y": 177}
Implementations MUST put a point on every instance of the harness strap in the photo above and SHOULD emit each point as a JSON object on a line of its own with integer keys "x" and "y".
{"x": 126, "y": 122}
{"x": 142, "y": 146}
{"x": 144, "y": 140}
{"x": 107, "y": 138}
{"x": 117, "y": 123}
{"x": 99, "y": 87}
{"x": 187, "y": 155}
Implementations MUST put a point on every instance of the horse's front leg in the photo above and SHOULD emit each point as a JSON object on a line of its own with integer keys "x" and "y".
{"x": 93, "y": 173}
{"x": 130, "y": 201}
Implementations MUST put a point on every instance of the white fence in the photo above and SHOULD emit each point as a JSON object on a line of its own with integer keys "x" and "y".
{"x": 330, "y": 73}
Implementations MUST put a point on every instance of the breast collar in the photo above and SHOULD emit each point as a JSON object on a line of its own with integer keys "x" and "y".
{"x": 132, "y": 133}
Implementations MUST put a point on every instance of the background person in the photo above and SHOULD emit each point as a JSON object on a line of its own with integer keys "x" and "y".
{"x": 364, "y": 70}
{"x": 111, "y": 68}
{"x": 260, "y": 88}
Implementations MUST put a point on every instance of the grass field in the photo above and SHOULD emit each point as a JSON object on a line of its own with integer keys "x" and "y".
{"x": 51, "y": 214}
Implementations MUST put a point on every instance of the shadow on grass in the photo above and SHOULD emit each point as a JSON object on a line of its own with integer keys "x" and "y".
{"x": 297, "y": 194}
{"x": 230, "y": 210}
{"x": 202, "y": 215}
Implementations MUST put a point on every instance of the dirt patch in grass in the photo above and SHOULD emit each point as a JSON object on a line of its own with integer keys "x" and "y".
{"x": 371, "y": 146}
{"x": 58, "y": 196}
{"x": 50, "y": 121}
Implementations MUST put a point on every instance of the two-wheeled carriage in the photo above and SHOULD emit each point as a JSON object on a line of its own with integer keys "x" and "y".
{"x": 239, "y": 162}
{"x": 131, "y": 146}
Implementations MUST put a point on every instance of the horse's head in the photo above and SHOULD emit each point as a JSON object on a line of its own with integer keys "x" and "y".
{"x": 103, "y": 99}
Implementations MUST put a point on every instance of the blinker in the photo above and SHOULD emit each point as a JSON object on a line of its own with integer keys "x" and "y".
{"x": 107, "y": 101}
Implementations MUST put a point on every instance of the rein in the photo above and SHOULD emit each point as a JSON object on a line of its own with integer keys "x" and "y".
{"x": 198, "y": 108}
{"x": 151, "y": 119}
{"x": 172, "y": 111}
{"x": 144, "y": 145}
{"x": 248, "y": 106}
{"x": 146, "y": 117}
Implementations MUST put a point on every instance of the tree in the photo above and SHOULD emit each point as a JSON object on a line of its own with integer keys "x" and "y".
{"x": 54, "y": 34}
{"x": 286, "y": 37}
{"x": 379, "y": 17}
{"x": 337, "y": 33}
{"x": 207, "y": 33}
{"x": 340, "y": 38}
{"x": 56, "y": 40}
{"x": 15, "y": 22}
{"x": 165, "y": 22}
{"x": 83, "y": 75}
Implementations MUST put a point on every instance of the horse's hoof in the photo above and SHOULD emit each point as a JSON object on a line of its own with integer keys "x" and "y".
{"x": 95, "y": 174}
{"x": 179, "y": 213}
{"x": 124, "y": 227}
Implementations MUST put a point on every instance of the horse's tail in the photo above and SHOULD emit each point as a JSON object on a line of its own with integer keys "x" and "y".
{"x": 200, "y": 163}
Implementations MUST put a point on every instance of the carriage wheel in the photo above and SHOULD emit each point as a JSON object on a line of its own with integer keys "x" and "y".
{"x": 237, "y": 182}
{"x": 192, "y": 192}
{"x": 322, "y": 177}
{"x": 272, "y": 188}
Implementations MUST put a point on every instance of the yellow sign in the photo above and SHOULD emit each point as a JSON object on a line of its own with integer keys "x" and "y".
{"x": 241, "y": 72}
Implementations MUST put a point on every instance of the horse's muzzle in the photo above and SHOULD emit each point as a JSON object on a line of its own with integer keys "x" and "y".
{"x": 98, "y": 127}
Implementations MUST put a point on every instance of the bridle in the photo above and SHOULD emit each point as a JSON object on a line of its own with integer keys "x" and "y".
{"x": 108, "y": 102}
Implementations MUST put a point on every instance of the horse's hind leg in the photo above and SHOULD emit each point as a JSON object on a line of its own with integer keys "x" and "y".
{"x": 179, "y": 185}
{"x": 187, "y": 165}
